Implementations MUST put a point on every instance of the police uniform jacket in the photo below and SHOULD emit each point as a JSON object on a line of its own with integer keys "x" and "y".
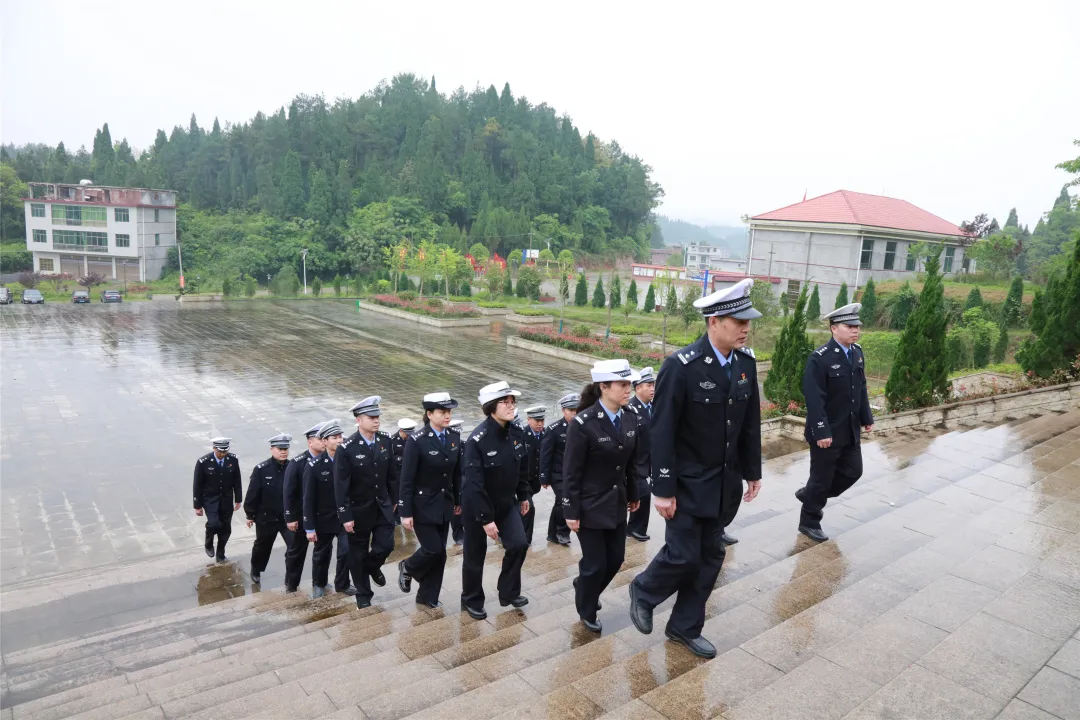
{"x": 532, "y": 446}
{"x": 293, "y": 487}
{"x": 398, "y": 445}
{"x": 320, "y": 505}
{"x": 430, "y": 476}
{"x": 365, "y": 479}
{"x": 265, "y": 502}
{"x": 552, "y": 448}
{"x": 215, "y": 487}
{"x": 705, "y": 433}
{"x": 495, "y": 475}
{"x": 835, "y": 390}
{"x": 600, "y": 468}
{"x": 644, "y": 463}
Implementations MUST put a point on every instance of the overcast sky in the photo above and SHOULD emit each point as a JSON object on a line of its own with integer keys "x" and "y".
{"x": 739, "y": 107}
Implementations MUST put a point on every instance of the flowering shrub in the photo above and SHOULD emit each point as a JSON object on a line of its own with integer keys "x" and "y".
{"x": 528, "y": 312}
{"x": 590, "y": 345}
{"x": 546, "y": 299}
{"x": 449, "y": 313}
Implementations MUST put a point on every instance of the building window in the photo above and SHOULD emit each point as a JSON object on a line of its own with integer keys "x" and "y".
{"x": 157, "y": 236}
{"x": 41, "y": 236}
{"x": 37, "y": 209}
{"x": 793, "y": 288}
{"x": 950, "y": 253}
{"x": 79, "y": 215}
{"x": 81, "y": 240}
{"x": 867, "y": 254}
{"x": 45, "y": 264}
{"x": 157, "y": 218}
{"x": 890, "y": 254}
{"x": 123, "y": 240}
{"x": 121, "y": 215}
{"x": 910, "y": 263}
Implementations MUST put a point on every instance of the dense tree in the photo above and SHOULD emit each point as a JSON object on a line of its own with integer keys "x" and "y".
{"x": 841, "y": 297}
{"x": 316, "y": 286}
{"x": 1037, "y": 321}
{"x": 508, "y": 284}
{"x": 974, "y": 299}
{"x": 631, "y": 294}
{"x": 995, "y": 254}
{"x": 650, "y": 300}
{"x": 581, "y": 292}
{"x": 615, "y": 300}
{"x": 320, "y": 205}
{"x": 919, "y": 376}
{"x": 868, "y": 313}
{"x": 1010, "y": 311}
{"x": 1057, "y": 345}
{"x": 1001, "y": 347}
{"x": 783, "y": 384}
{"x": 813, "y": 309}
{"x": 292, "y": 186}
{"x": 598, "y": 299}
{"x": 12, "y": 212}
{"x": 528, "y": 283}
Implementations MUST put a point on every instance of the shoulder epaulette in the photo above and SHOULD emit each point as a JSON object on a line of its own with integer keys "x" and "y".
{"x": 453, "y": 430}
{"x": 380, "y": 433}
{"x": 417, "y": 434}
{"x": 688, "y": 354}
{"x": 262, "y": 464}
{"x": 748, "y": 351}
{"x": 821, "y": 350}
{"x": 857, "y": 345}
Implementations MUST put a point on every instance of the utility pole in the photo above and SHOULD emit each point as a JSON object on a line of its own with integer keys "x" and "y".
{"x": 303, "y": 256}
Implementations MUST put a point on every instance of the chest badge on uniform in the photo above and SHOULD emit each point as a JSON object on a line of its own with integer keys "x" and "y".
{"x": 707, "y": 385}
{"x": 493, "y": 452}
{"x": 432, "y": 452}
{"x": 603, "y": 439}
{"x": 835, "y": 367}
{"x": 836, "y": 349}
{"x": 630, "y": 433}
{"x": 708, "y": 360}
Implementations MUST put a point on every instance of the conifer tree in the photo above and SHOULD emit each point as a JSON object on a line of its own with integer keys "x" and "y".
{"x": 508, "y": 285}
{"x": 813, "y": 310}
{"x": 650, "y": 299}
{"x": 974, "y": 299}
{"x": 616, "y": 293}
{"x": 1037, "y": 321}
{"x": 581, "y": 292}
{"x": 841, "y": 297}
{"x": 1057, "y": 345}
{"x": 292, "y": 186}
{"x": 783, "y": 384}
{"x": 1010, "y": 311}
{"x": 598, "y": 299}
{"x": 316, "y": 287}
{"x": 919, "y": 377}
{"x": 320, "y": 205}
{"x": 1001, "y": 347}
{"x": 868, "y": 313}
{"x": 631, "y": 295}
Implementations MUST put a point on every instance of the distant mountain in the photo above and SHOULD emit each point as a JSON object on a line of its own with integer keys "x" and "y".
{"x": 681, "y": 232}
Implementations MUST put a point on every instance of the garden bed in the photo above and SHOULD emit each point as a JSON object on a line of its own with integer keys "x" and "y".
{"x": 584, "y": 349}
{"x": 444, "y": 320}
{"x": 529, "y": 319}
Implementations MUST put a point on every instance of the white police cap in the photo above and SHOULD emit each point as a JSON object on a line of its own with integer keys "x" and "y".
{"x": 221, "y": 443}
{"x": 329, "y": 428}
{"x": 570, "y": 402}
{"x": 847, "y": 315}
{"x": 536, "y": 412}
{"x": 367, "y": 406}
{"x": 733, "y": 302}
{"x": 496, "y": 391}
{"x": 313, "y": 431}
{"x": 456, "y": 424}
{"x": 439, "y": 401}
{"x": 613, "y": 370}
{"x": 406, "y": 424}
{"x": 284, "y": 440}
{"x": 646, "y": 376}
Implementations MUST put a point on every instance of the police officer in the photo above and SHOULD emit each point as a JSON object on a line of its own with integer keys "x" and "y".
{"x": 365, "y": 481}
{"x": 705, "y": 439}
{"x": 430, "y": 496}
{"x": 637, "y": 523}
{"x": 264, "y": 504}
{"x": 834, "y": 384}
{"x": 405, "y": 426}
{"x": 495, "y": 496}
{"x": 600, "y": 481}
{"x": 293, "y": 492}
{"x": 534, "y": 436}
{"x": 457, "y": 531}
{"x": 217, "y": 481}
{"x": 552, "y": 448}
{"x": 321, "y": 521}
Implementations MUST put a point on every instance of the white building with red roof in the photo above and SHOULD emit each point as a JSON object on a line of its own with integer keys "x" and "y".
{"x": 846, "y": 236}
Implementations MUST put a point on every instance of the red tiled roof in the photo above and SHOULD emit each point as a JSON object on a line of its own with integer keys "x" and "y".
{"x": 852, "y": 208}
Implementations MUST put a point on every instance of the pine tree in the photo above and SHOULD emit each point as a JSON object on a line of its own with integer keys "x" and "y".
{"x": 1057, "y": 346}
{"x": 813, "y": 310}
{"x": 581, "y": 292}
{"x": 1010, "y": 311}
{"x": 919, "y": 377}
{"x": 508, "y": 285}
{"x": 1037, "y": 321}
{"x": 249, "y": 286}
{"x": 1012, "y": 221}
{"x": 316, "y": 287}
{"x": 616, "y": 293}
{"x": 974, "y": 299}
{"x": 631, "y": 295}
{"x": 337, "y": 285}
{"x": 783, "y": 384}
{"x": 841, "y": 297}
{"x": 868, "y": 313}
{"x": 598, "y": 299}
{"x": 320, "y": 204}
{"x": 1002, "y": 345}
{"x": 292, "y": 186}
{"x": 650, "y": 300}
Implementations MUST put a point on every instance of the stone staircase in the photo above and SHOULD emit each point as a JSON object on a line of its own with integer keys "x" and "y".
{"x": 950, "y": 588}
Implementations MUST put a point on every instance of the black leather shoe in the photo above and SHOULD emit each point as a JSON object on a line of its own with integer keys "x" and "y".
{"x": 221, "y": 559}
{"x": 256, "y": 577}
{"x": 728, "y": 539}
{"x": 699, "y": 645}
{"x": 209, "y": 551}
{"x": 475, "y": 614}
{"x": 378, "y": 578}
{"x": 404, "y": 579}
{"x": 799, "y": 494}
{"x": 432, "y": 605}
{"x": 640, "y": 613}
{"x": 640, "y": 537}
{"x": 290, "y": 588}
{"x": 317, "y": 592}
{"x": 518, "y": 602}
{"x": 459, "y": 540}
{"x": 361, "y": 604}
{"x": 563, "y": 540}
{"x": 351, "y": 591}
{"x": 814, "y": 534}
{"x": 592, "y": 625}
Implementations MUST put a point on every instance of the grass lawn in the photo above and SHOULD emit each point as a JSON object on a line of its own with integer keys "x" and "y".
{"x": 993, "y": 292}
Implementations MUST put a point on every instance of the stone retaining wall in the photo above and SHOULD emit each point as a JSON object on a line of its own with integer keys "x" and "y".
{"x": 529, "y": 319}
{"x": 493, "y": 311}
{"x": 545, "y": 349}
{"x": 200, "y": 298}
{"x": 422, "y": 319}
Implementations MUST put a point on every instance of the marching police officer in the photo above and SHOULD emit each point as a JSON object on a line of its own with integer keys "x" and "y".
{"x": 534, "y": 436}
{"x": 705, "y": 439}
{"x": 495, "y": 496}
{"x": 217, "y": 481}
{"x": 552, "y": 448}
{"x": 637, "y": 523}
{"x": 600, "y": 481}
{"x": 457, "y": 530}
{"x": 321, "y": 521}
{"x": 405, "y": 426}
{"x": 293, "y": 498}
{"x": 365, "y": 481}
{"x": 834, "y": 384}
{"x": 264, "y": 504}
{"x": 430, "y": 495}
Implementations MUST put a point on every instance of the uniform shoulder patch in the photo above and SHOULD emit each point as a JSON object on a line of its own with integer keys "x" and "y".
{"x": 417, "y": 434}
{"x": 262, "y": 464}
{"x": 821, "y": 350}
{"x": 580, "y": 417}
{"x": 688, "y": 354}
{"x": 857, "y": 345}
{"x": 748, "y": 351}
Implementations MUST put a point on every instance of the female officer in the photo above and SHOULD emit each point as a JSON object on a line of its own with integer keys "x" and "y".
{"x": 430, "y": 496}
{"x": 600, "y": 481}
{"x": 495, "y": 494}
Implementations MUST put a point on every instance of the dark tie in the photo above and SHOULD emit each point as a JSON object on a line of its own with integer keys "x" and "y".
{"x": 727, "y": 371}
{"x": 443, "y": 438}
{"x": 618, "y": 424}
{"x": 649, "y": 408}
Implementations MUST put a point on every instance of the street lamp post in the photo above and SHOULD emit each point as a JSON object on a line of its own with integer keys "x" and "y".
{"x": 267, "y": 283}
{"x": 303, "y": 256}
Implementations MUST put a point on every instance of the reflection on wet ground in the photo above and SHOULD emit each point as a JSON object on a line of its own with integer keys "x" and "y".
{"x": 950, "y": 588}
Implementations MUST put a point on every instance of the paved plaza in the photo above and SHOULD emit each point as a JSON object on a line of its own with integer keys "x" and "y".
{"x": 950, "y": 587}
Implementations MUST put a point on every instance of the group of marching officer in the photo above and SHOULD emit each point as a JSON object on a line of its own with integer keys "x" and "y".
{"x": 689, "y": 437}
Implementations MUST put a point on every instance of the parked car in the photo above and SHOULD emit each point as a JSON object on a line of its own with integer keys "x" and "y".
{"x": 32, "y": 297}
{"x": 80, "y": 296}
{"x": 111, "y": 296}
{"x": 5, "y": 296}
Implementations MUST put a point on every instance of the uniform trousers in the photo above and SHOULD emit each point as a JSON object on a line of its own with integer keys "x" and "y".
{"x": 832, "y": 471}
{"x": 528, "y": 520}
{"x": 295, "y": 556}
{"x": 219, "y": 525}
{"x": 457, "y": 530}
{"x": 638, "y": 520}
{"x": 688, "y": 564}
{"x": 320, "y": 560}
{"x": 428, "y": 563}
{"x": 602, "y": 554}
{"x": 556, "y": 522}
{"x": 265, "y": 534}
{"x": 512, "y": 535}
{"x": 369, "y": 546}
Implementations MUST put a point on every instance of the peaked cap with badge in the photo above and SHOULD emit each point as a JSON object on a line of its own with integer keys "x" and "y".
{"x": 847, "y": 315}
{"x": 282, "y": 440}
{"x": 439, "y": 401}
{"x": 732, "y": 301}
{"x": 367, "y": 406}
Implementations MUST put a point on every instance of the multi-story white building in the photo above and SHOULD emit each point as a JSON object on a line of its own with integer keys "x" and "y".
{"x": 122, "y": 233}
{"x": 714, "y": 258}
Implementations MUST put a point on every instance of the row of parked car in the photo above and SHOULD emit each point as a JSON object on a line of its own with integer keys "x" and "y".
{"x": 34, "y": 297}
